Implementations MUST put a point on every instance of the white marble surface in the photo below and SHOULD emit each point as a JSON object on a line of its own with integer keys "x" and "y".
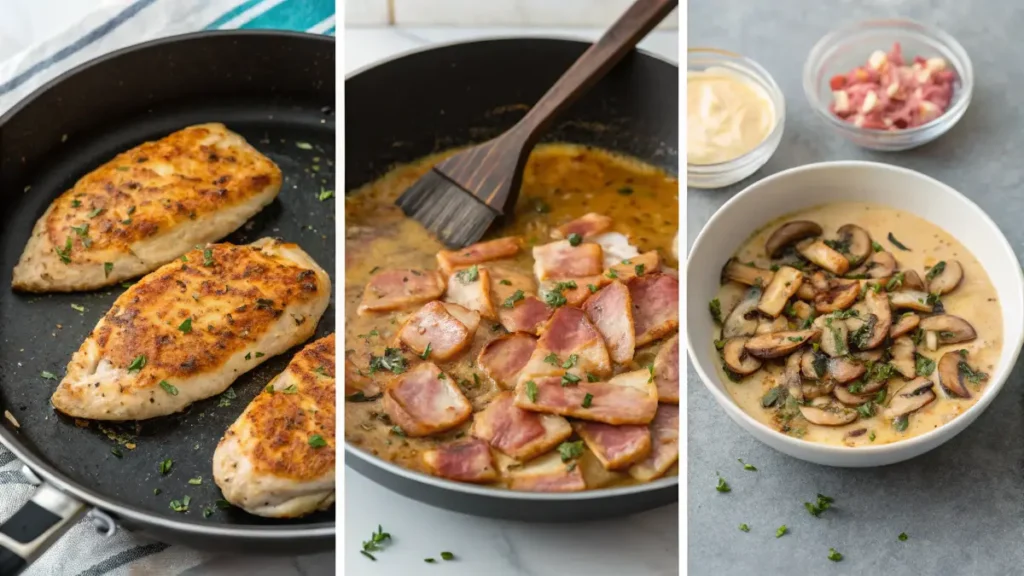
{"x": 643, "y": 545}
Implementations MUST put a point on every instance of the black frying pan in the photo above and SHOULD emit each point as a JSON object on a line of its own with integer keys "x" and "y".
{"x": 275, "y": 89}
{"x": 436, "y": 99}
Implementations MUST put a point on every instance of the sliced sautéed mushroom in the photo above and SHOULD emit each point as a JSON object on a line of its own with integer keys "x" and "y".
{"x": 545, "y": 357}
{"x": 855, "y": 324}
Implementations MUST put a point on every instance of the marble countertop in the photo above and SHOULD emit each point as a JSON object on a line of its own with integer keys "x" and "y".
{"x": 641, "y": 545}
{"x": 961, "y": 505}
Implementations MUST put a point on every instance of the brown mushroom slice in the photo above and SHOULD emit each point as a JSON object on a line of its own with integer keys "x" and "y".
{"x": 902, "y": 351}
{"x": 951, "y": 377}
{"x": 812, "y": 390}
{"x": 737, "y": 359}
{"x": 910, "y": 300}
{"x": 838, "y": 297}
{"x": 904, "y": 325}
{"x": 874, "y": 333}
{"x": 784, "y": 284}
{"x": 912, "y": 281}
{"x": 849, "y": 398}
{"x": 767, "y": 326}
{"x": 944, "y": 277}
{"x": 869, "y": 355}
{"x": 881, "y": 265}
{"x": 834, "y": 335}
{"x": 742, "y": 321}
{"x": 791, "y": 376}
{"x": 844, "y": 370}
{"x": 779, "y": 344}
{"x": 858, "y": 243}
{"x": 814, "y": 364}
{"x": 790, "y": 233}
{"x": 913, "y": 396}
{"x": 827, "y": 412}
{"x": 802, "y": 310}
{"x": 745, "y": 274}
{"x": 949, "y": 329}
{"x": 871, "y": 386}
{"x": 825, "y": 256}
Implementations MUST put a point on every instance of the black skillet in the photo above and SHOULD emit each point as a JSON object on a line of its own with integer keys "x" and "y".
{"x": 275, "y": 89}
{"x": 440, "y": 98}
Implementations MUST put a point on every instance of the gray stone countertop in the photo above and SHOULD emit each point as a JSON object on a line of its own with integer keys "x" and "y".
{"x": 962, "y": 505}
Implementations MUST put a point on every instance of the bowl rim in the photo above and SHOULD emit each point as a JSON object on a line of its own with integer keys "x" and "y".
{"x": 997, "y": 381}
{"x": 965, "y": 74}
{"x": 778, "y": 98}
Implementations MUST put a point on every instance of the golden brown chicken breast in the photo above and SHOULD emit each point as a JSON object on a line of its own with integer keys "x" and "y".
{"x": 277, "y": 459}
{"x": 186, "y": 331}
{"x": 146, "y": 207}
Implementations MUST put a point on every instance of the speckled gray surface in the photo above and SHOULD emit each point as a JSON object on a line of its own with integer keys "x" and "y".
{"x": 962, "y": 505}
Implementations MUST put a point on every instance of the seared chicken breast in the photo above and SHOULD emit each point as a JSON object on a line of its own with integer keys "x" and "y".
{"x": 146, "y": 207}
{"x": 277, "y": 459}
{"x": 186, "y": 331}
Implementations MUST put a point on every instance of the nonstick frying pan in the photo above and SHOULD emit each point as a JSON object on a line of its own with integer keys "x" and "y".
{"x": 459, "y": 94}
{"x": 277, "y": 90}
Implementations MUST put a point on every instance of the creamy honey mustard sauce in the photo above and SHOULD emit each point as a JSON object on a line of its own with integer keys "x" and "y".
{"x": 973, "y": 300}
{"x": 727, "y": 116}
{"x": 561, "y": 182}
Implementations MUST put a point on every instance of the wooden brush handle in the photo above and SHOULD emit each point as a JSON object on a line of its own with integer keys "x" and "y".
{"x": 594, "y": 64}
{"x": 492, "y": 171}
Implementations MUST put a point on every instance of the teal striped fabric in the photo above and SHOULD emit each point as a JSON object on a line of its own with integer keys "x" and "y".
{"x": 315, "y": 16}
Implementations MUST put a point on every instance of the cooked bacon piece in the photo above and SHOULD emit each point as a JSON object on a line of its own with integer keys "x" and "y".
{"x": 646, "y": 263}
{"x": 466, "y": 461}
{"x": 590, "y": 224}
{"x": 435, "y": 326}
{"x": 401, "y": 288}
{"x": 505, "y": 282}
{"x": 629, "y": 398}
{"x": 585, "y": 288}
{"x": 561, "y": 259}
{"x": 611, "y": 312}
{"x": 452, "y": 260}
{"x": 655, "y": 306}
{"x": 504, "y": 357}
{"x": 664, "y": 445}
{"x": 547, "y": 474}
{"x": 521, "y": 434}
{"x": 469, "y": 318}
{"x": 356, "y": 382}
{"x": 425, "y": 401}
{"x": 568, "y": 333}
{"x": 472, "y": 290}
{"x": 666, "y": 371}
{"x": 527, "y": 315}
{"x": 615, "y": 446}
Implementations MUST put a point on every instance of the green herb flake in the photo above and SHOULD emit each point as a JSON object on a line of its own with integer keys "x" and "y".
{"x": 208, "y": 257}
{"x": 185, "y": 326}
{"x": 447, "y": 556}
{"x": 138, "y": 363}
{"x": 325, "y": 195}
{"x": 180, "y": 505}
{"x": 723, "y": 486}
{"x": 165, "y": 466}
{"x": 317, "y": 441}
{"x": 426, "y": 352}
{"x": 569, "y": 379}
{"x": 935, "y": 271}
{"x": 923, "y": 365}
{"x": 468, "y": 275}
{"x": 639, "y": 269}
{"x": 94, "y": 213}
{"x": 715, "y": 306}
{"x": 897, "y": 243}
{"x": 48, "y": 375}
{"x": 587, "y": 399}
{"x": 876, "y": 246}
{"x": 902, "y": 537}
{"x": 510, "y": 302}
{"x": 505, "y": 282}
{"x": 625, "y": 191}
{"x": 196, "y": 481}
{"x": 749, "y": 467}
{"x": 593, "y": 289}
{"x": 900, "y": 423}
{"x": 290, "y": 389}
{"x": 303, "y": 145}
{"x": 573, "y": 358}
{"x": 207, "y": 512}
{"x": 570, "y": 450}
{"x": 554, "y": 299}
{"x": 592, "y": 377}
{"x": 65, "y": 253}
{"x": 116, "y": 452}
{"x": 744, "y": 528}
{"x": 108, "y": 267}
{"x": 531, "y": 390}
{"x": 612, "y": 273}
{"x": 392, "y": 361}
{"x": 575, "y": 239}
{"x": 781, "y": 531}
{"x": 823, "y": 503}
{"x": 832, "y": 554}
{"x": 168, "y": 387}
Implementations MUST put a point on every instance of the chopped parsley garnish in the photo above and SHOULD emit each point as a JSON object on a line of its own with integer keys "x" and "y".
{"x": 248, "y": 355}
{"x": 871, "y": 436}
{"x": 973, "y": 376}
{"x": 573, "y": 358}
{"x": 833, "y": 555}
{"x": 116, "y": 452}
{"x": 902, "y": 537}
{"x": 781, "y": 531}
{"x": 795, "y": 338}
{"x": 935, "y": 271}
{"x": 168, "y": 387}
{"x": 291, "y": 389}
{"x": 447, "y": 556}
{"x": 375, "y": 543}
{"x": 469, "y": 275}
{"x": 392, "y": 361}
{"x": 897, "y": 243}
{"x": 569, "y": 378}
{"x": 746, "y": 466}
{"x": 744, "y": 528}
{"x": 181, "y": 505}
{"x": 208, "y": 257}
{"x": 866, "y": 410}
{"x": 76, "y": 203}
{"x": 207, "y": 512}
{"x": 895, "y": 282}
{"x": 82, "y": 230}
{"x": 94, "y": 213}
{"x": 625, "y": 191}
{"x": 303, "y": 145}
{"x": 823, "y": 503}
{"x": 138, "y": 363}
{"x": 505, "y": 282}
{"x": 325, "y": 194}
{"x": 900, "y": 423}
{"x": 575, "y": 239}
{"x": 570, "y": 450}
{"x": 567, "y": 285}
{"x": 715, "y": 306}
{"x": 592, "y": 377}
{"x": 165, "y": 466}
{"x": 923, "y": 365}
{"x": 195, "y": 481}
{"x": 397, "y": 431}
{"x": 639, "y": 269}
{"x": 359, "y": 396}
{"x": 108, "y": 267}
{"x": 185, "y": 326}
{"x": 531, "y": 390}
{"x": 876, "y": 246}
{"x": 593, "y": 289}
{"x": 48, "y": 375}
{"x": 65, "y": 254}
{"x": 510, "y": 302}
{"x": 723, "y": 486}
{"x": 587, "y": 399}
{"x": 261, "y": 355}
{"x": 317, "y": 441}
{"x": 612, "y": 273}
{"x": 554, "y": 299}
{"x": 426, "y": 352}
{"x": 551, "y": 359}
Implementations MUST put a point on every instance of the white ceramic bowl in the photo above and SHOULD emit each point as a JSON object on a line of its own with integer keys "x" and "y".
{"x": 824, "y": 183}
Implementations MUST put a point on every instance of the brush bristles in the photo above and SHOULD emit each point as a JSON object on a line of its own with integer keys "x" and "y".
{"x": 447, "y": 210}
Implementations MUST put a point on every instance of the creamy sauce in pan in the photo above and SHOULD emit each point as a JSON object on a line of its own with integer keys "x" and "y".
{"x": 973, "y": 300}
{"x": 561, "y": 182}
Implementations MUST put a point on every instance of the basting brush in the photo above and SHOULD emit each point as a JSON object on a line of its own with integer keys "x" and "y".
{"x": 460, "y": 197}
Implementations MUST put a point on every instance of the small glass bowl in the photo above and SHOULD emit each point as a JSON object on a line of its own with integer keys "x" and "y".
{"x": 725, "y": 173}
{"x": 850, "y": 46}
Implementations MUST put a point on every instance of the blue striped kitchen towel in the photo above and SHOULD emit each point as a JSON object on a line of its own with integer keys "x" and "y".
{"x": 38, "y": 41}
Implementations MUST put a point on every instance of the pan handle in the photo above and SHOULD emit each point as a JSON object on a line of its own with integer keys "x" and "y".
{"x": 36, "y": 526}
